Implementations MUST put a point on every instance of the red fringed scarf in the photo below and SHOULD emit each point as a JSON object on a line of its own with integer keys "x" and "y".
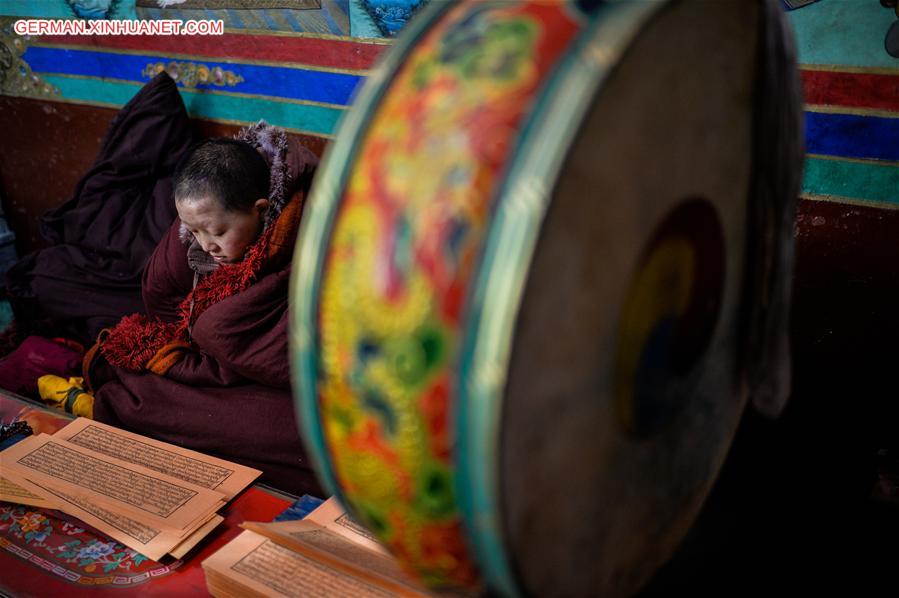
{"x": 137, "y": 339}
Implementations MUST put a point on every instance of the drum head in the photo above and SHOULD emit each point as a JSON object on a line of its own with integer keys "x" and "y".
{"x": 623, "y": 390}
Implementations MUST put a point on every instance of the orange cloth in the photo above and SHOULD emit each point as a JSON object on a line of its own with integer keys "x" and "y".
{"x": 167, "y": 356}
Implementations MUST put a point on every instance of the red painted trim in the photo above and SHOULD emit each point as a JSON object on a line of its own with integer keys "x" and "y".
{"x": 330, "y": 53}
{"x": 857, "y": 90}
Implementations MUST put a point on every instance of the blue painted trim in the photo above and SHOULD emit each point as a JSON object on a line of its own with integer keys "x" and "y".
{"x": 316, "y": 120}
{"x": 282, "y": 82}
{"x": 852, "y": 136}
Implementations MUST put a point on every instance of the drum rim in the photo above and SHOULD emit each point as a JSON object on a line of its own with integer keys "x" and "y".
{"x": 498, "y": 292}
{"x": 317, "y": 227}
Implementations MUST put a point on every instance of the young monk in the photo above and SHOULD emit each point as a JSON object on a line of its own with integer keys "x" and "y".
{"x": 207, "y": 367}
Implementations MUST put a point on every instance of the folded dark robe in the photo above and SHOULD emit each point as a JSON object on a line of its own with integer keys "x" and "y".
{"x": 101, "y": 238}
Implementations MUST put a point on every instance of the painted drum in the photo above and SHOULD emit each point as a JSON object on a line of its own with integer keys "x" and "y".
{"x": 543, "y": 266}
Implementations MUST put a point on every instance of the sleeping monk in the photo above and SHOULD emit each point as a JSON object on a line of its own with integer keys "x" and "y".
{"x": 207, "y": 366}
{"x": 221, "y": 195}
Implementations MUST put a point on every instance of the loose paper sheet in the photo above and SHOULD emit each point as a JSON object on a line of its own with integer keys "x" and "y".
{"x": 135, "y": 490}
{"x": 154, "y": 499}
{"x": 324, "y": 546}
{"x": 162, "y": 457}
{"x": 186, "y": 545}
{"x": 150, "y": 542}
{"x": 333, "y": 516}
{"x": 260, "y": 565}
{"x": 23, "y": 492}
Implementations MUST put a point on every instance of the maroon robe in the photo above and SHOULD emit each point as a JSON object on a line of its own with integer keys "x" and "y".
{"x": 230, "y": 395}
{"x": 100, "y": 239}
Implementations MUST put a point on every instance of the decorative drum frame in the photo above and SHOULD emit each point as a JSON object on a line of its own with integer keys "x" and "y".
{"x": 412, "y": 269}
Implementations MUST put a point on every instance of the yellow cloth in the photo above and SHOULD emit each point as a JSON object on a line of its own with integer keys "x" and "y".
{"x": 66, "y": 395}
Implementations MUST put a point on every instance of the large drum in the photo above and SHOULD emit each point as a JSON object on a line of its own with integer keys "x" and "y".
{"x": 543, "y": 267}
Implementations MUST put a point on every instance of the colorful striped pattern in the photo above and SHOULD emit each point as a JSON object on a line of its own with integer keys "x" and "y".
{"x": 302, "y": 83}
{"x": 325, "y": 52}
{"x": 305, "y": 82}
{"x": 851, "y": 90}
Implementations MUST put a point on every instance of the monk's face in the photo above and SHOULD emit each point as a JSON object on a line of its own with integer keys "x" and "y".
{"x": 222, "y": 233}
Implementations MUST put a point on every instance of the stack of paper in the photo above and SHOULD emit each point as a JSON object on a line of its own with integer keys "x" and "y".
{"x": 151, "y": 496}
{"x": 325, "y": 554}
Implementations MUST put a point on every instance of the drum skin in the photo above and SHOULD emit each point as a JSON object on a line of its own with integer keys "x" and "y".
{"x": 516, "y": 308}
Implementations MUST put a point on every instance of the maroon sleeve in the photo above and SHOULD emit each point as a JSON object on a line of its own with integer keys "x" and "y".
{"x": 200, "y": 370}
{"x": 167, "y": 279}
{"x": 247, "y": 333}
